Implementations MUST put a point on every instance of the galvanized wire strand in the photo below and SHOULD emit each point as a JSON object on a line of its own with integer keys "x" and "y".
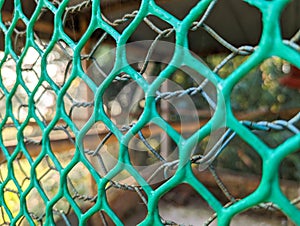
{"x": 190, "y": 91}
{"x": 217, "y": 37}
{"x": 79, "y": 7}
{"x": 275, "y": 125}
{"x": 292, "y": 44}
{"x": 150, "y": 148}
{"x": 243, "y": 51}
{"x": 214, "y": 216}
{"x": 125, "y": 18}
{"x": 221, "y": 185}
{"x": 104, "y": 221}
{"x": 209, "y": 9}
{"x": 296, "y": 37}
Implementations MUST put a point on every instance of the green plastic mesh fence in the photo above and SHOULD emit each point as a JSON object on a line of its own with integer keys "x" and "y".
{"x": 86, "y": 112}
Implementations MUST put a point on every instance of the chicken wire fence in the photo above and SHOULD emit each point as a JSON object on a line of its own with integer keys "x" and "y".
{"x": 76, "y": 109}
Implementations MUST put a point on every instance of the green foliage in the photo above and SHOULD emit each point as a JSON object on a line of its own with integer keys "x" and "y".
{"x": 261, "y": 88}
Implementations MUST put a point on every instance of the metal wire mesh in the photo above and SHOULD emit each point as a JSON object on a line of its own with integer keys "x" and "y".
{"x": 59, "y": 124}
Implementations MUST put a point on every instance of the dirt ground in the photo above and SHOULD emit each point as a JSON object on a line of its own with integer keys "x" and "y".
{"x": 196, "y": 213}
